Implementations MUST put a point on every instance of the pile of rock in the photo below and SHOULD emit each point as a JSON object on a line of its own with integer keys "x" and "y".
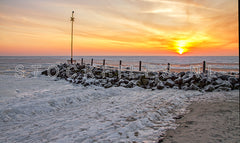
{"x": 87, "y": 75}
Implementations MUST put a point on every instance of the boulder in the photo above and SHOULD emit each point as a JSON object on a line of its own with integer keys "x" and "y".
{"x": 175, "y": 87}
{"x": 209, "y": 88}
{"x": 202, "y": 82}
{"x": 130, "y": 85}
{"x": 108, "y": 85}
{"x": 173, "y": 76}
{"x": 144, "y": 81}
{"x": 53, "y": 71}
{"x": 213, "y": 77}
{"x": 226, "y": 84}
{"x": 169, "y": 83}
{"x": 179, "y": 81}
{"x": 152, "y": 83}
{"x": 224, "y": 77}
{"x": 209, "y": 81}
{"x": 184, "y": 87}
{"x": 160, "y": 85}
{"x": 218, "y": 81}
{"x": 193, "y": 87}
{"x": 223, "y": 89}
{"x": 45, "y": 72}
{"x": 187, "y": 80}
{"x": 237, "y": 86}
{"x": 181, "y": 74}
{"x": 232, "y": 80}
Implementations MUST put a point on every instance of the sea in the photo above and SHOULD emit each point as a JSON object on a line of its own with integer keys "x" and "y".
{"x": 10, "y": 64}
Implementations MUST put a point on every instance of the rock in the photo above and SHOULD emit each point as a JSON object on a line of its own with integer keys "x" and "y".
{"x": 237, "y": 86}
{"x": 108, "y": 85}
{"x": 85, "y": 83}
{"x": 218, "y": 81}
{"x": 193, "y": 87}
{"x": 160, "y": 85}
{"x": 232, "y": 80}
{"x": 223, "y": 89}
{"x": 213, "y": 77}
{"x": 78, "y": 81}
{"x": 79, "y": 67}
{"x": 181, "y": 74}
{"x": 152, "y": 74}
{"x": 209, "y": 81}
{"x": 209, "y": 88}
{"x": 175, "y": 87}
{"x": 164, "y": 77}
{"x": 224, "y": 77}
{"x": 226, "y": 84}
{"x": 202, "y": 82}
{"x": 169, "y": 83}
{"x": 179, "y": 81}
{"x": 173, "y": 76}
{"x": 45, "y": 72}
{"x": 130, "y": 85}
{"x": 121, "y": 81}
{"x": 97, "y": 72}
{"x": 184, "y": 87}
{"x": 74, "y": 75}
{"x": 126, "y": 81}
{"x": 96, "y": 82}
{"x": 70, "y": 79}
{"x": 145, "y": 81}
{"x": 112, "y": 80}
{"x": 152, "y": 83}
{"x": 53, "y": 71}
{"x": 187, "y": 80}
{"x": 139, "y": 83}
{"x": 123, "y": 85}
{"x": 183, "y": 80}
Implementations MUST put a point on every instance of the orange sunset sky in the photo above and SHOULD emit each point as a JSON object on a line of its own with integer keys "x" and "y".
{"x": 119, "y": 27}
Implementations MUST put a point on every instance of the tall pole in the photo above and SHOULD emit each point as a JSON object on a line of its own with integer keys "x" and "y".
{"x": 72, "y": 19}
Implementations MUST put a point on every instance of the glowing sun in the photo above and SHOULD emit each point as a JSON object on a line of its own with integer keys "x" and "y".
{"x": 181, "y": 46}
{"x": 180, "y": 50}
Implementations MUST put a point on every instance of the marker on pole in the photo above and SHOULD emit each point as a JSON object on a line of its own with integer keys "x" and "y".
{"x": 72, "y": 19}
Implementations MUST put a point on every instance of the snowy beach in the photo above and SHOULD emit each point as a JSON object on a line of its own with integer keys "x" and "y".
{"x": 44, "y": 110}
{"x": 37, "y": 108}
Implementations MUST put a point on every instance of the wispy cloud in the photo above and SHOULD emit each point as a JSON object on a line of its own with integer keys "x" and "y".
{"x": 146, "y": 24}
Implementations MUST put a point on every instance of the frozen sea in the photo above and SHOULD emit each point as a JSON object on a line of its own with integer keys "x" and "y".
{"x": 35, "y": 108}
{"x": 8, "y": 64}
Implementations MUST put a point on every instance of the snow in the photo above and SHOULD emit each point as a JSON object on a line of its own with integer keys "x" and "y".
{"x": 43, "y": 109}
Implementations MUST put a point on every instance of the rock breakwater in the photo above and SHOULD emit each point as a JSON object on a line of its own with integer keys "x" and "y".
{"x": 99, "y": 76}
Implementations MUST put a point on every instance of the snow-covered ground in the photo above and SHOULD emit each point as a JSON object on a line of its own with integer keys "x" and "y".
{"x": 44, "y": 110}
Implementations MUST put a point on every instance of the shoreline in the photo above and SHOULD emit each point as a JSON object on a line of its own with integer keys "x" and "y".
{"x": 214, "y": 120}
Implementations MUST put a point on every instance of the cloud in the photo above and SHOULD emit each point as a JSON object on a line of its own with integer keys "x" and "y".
{"x": 129, "y": 23}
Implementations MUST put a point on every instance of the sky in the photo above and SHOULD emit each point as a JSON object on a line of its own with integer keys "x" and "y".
{"x": 119, "y": 27}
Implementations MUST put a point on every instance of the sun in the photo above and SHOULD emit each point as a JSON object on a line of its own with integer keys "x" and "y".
{"x": 180, "y": 50}
{"x": 181, "y": 46}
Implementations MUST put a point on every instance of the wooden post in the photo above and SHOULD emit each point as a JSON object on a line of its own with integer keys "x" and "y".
{"x": 168, "y": 67}
{"x": 91, "y": 62}
{"x": 120, "y": 65}
{"x": 140, "y": 65}
{"x": 204, "y": 67}
{"x": 103, "y": 62}
{"x": 82, "y": 61}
